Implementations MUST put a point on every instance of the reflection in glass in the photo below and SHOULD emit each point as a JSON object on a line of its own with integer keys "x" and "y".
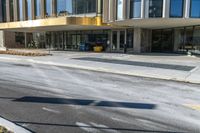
{"x": 48, "y": 7}
{"x": 21, "y": 10}
{"x": 84, "y": 6}
{"x": 195, "y": 9}
{"x": 64, "y": 7}
{"x": 38, "y": 8}
{"x": 135, "y": 8}
{"x": 29, "y": 9}
{"x": 119, "y": 9}
{"x": 176, "y": 8}
{"x": 11, "y": 10}
{"x": 155, "y": 8}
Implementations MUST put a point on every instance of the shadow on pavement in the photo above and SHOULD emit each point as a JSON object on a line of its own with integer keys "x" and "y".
{"x": 138, "y": 63}
{"x": 82, "y": 102}
{"x": 94, "y": 127}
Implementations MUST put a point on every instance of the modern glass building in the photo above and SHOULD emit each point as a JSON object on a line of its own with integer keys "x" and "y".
{"x": 143, "y": 25}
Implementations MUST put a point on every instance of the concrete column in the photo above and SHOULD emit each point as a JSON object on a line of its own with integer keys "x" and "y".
{"x": 137, "y": 40}
{"x": 187, "y": 9}
{"x": 16, "y": 11}
{"x": 105, "y": 11}
{"x": 24, "y": 10}
{"x": 54, "y": 8}
{"x": 166, "y": 8}
{"x": 99, "y": 7}
{"x": 43, "y": 9}
{"x": 8, "y": 10}
{"x": 118, "y": 40}
{"x": 2, "y": 41}
{"x": 25, "y": 40}
{"x": 33, "y": 9}
{"x": 142, "y": 8}
{"x": 125, "y": 3}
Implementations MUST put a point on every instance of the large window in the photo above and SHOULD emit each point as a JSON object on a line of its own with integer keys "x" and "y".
{"x": 3, "y": 11}
{"x": 29, "y": 13}
{"x": 64, "y": 7}
{"x": 195, "y": 9}
{"x": 21, "y": 10}
{"x": 11, "y": 10}
{"x": 37, "y": 8}
{"x": 48, "y": 8}
{"x": 135, "y": 8}
{"x": 155, "y": 8}
{"x": 84, "y": 6}
{"x": 120, "y": 9}
{"x": 176, "y": 8}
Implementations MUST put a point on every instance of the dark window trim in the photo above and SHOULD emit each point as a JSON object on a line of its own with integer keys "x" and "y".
{"x": 171, "y": 16}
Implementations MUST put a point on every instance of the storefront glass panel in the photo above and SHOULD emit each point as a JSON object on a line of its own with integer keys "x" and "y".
{"x": 155, "y": 8}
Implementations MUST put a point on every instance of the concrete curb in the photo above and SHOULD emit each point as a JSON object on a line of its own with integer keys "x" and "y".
{"x": 12, "y": 126}
{"x": 104, "y": 70}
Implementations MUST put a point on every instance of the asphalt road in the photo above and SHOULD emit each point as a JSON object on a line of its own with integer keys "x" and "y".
{"x": 50, "y": 99}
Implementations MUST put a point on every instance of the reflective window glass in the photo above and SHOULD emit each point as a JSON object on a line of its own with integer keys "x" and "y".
{"x": 135, "y": 8}
{"x": 155, "y": 8}
{"x": 195, "y": 9}
{"x": 120, "y": 9}
{"x": 176, "y": 8}
{"x": 48, "y": 7}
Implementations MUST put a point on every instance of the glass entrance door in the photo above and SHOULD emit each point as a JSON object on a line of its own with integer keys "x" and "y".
{"x": 118, "y": 40}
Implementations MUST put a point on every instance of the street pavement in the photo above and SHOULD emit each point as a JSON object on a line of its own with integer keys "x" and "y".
{"x": 53, "y": 99}
{"x": 174, "y": 67}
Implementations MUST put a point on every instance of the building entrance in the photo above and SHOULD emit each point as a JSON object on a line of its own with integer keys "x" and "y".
{"x": 162, "y": 40}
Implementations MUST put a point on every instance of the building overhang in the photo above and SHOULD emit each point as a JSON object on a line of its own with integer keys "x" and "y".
{"x": 52, "y": 24}
{"x": 157, "y": 23}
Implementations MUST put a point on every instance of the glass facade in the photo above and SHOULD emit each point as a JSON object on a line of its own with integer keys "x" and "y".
{"x": 181, "y": 39}
{"x": 3, "y": 11}
{"x": 135, "y": 8}
{"x": 21, "y": 10}
{"x": 64, "y": 7}
{"x": 155, "y": 8}
{"x": 195, "y": 9}
{"x": 37, "y": 8}
{"x": 84, "y": 6}
{"x": 72, "y": 40}
{"x": 176, "y": 8}
{"x": 120, "y": 9}
{"x": 48, "y": 8}
{"x": 29, "y": 8}
{"x": 11, "y": 10}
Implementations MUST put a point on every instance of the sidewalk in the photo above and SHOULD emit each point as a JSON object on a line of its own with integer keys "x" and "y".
{"x": 12, "y": 127}
{"x": 160, "y": 66}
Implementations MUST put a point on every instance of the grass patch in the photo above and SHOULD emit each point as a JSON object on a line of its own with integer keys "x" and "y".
{"x": 12, "y": 52}
{"x": 4, "y": 130}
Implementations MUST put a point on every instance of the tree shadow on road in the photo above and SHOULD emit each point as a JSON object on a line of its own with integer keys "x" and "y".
{"x": 83, "y": 102}
{"x": 94, "y": 127}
